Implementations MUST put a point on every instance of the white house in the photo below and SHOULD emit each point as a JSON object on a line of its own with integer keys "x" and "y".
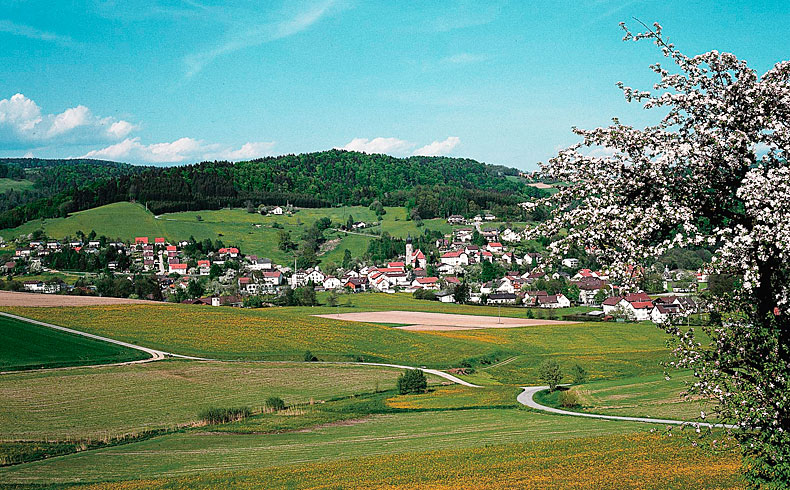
{"x": 554, "y": 301}
{"x": 570, "y": 262}
{"x": 454, "y": 258}
{"x": 277, "y": 211}
{"x": 331, "y": 282}
{"x": 501, "y": 299}
{"x": 638, "y": 310}
{"x": 661, "y": 313}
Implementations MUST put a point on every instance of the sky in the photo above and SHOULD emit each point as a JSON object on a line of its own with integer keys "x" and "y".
{"x": 181, "y": 81}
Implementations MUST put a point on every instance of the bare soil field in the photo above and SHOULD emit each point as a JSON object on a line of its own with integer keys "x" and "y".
{"x": 420, "y": 321}
{"x": 540, "y": 185}
{"x": 10, "y": 298}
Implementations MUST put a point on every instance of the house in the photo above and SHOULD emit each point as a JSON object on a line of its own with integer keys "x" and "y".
{"x": 511, "y": 236}
{"x": 533, "y": 258}
{"x": 431, "y": 283}
{"x": 553, "y": 301}
{"x": 159, "y": 241}
{"x": 611, "y": 304}
{"x": 445, "y": 297}
{"x": 445, "y": 269}
{"x": 494, "y": 247}
{"x": 486, "y": 255}
{"x": 277, "y": 211}
{"x": 489, "y": 217}
{"x": 315, "y": 276}
{"x": 260, "y": 264}
{"x": 501, "y": 299}
{"x": 531, "y": 297}
{"x": 662, "y": 313}
{"x": 247, "y": 285}
{"x": 637, "y": 310}
{"x": 141, "y": 240}
{"x": 357, "y": 284}
{"x": 272, "y": 279}
{"x": 177, "y": 268}
{"x": 588, "y": 289}
{"x": 204, "y": 266}
{"x": 456, "y": 219}
{"x": 570, "y": 262}
{"x": 464, "y": 234}
{"x": 455, "y": 258}
{"x": 52, "y": 287}
{"x": 331, "y": 282}
{"x": 232, "y": 252}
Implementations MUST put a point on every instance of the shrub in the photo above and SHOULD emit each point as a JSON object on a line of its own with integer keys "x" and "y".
{"x": 550, "y": 373}
{"x": 222, "y": 415}
{"x": 274, "y": 403}
{"x": 309, "y": 357}
{"x": 578, "y": 374}
{"x": 412, "y": 381}
{"x": 568, "y": 399}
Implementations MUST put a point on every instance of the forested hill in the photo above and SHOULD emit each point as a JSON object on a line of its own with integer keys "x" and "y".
{"x": 432, "y": 186}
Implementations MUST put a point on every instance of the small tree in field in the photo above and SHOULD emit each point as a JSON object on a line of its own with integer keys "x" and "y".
{"x": 412, "y": 381}
{"x": 550, "y": 373}
{"x": 578, "y": 374}
{"x": 713, "y": 171}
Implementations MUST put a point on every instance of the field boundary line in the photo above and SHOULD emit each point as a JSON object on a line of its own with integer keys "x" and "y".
{"x": 526, "y": 399}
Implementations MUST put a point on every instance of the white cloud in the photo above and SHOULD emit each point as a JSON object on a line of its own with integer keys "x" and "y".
{"x": 464, "y": 59}
{"x": 379, "y": 145}
{"x": 23, "y": 125}
{"x": 32, "y": 33}
{"x": 178, "y": 151}
{"x": 241, "y": 37}
{"x": 439, "y": 147}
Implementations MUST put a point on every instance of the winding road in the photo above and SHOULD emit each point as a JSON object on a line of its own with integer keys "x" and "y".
{"x": 526, "y": 397}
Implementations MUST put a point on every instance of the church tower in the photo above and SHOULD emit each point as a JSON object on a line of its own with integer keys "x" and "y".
{"x": 409, "y": 251}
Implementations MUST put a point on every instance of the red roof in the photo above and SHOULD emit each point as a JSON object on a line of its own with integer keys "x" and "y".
{"x": 637, "y": 297}
{"x": 272, "y": 274}
{"x": 495, "y": 244}
{"x": 427, "y": 280}
{"x": 396, "y": 264}
{"x": 178, "y": 266}
{"x": 450, "y": 255}
{"x": 486, "y": 253}
{"x": 171, "y": 248}
{"x": 141, "y": 239}
{"x": 204, "y": 263}
{"x": 638, "y": 305}
{"x": 159, "y": 240}
{"x": 419, "y": 255}
{"x": 612, "y": 301}
{"x": 244, "y": 280}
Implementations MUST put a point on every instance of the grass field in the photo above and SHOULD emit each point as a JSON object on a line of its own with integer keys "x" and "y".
{"x": 606, "y": 462}
{"x": 251, "y": 232}
{"x": 642, "y": 396}
{"x": 606, "y": 350}
{"x": 28, "y": 346}
{"x": 17, "y": 185}
{"x": 385, "y": 434}
{"x": 112, "y": 401}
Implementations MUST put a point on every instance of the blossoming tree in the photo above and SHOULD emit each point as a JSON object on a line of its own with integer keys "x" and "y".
{"x": 713, "y": 171}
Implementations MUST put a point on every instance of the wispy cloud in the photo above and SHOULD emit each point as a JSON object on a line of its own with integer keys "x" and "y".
{"x": 241, "y": 37}
{"x": 30, "y": 32}
{"x": 465, "y": 14}
{"x": 399, "y": 147}
{"x": 464, "y": 59}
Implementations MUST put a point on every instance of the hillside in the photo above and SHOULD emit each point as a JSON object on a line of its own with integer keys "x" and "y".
{"x": 427, "y": 186}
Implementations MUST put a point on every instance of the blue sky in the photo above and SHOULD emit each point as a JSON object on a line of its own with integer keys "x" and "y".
{"x": 182, "y": 81}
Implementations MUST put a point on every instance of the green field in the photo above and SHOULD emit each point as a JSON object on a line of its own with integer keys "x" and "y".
{"x": 606, "y": 350}
{"x": 113, "y": 401}
{"x": 642, "y": 396}
{"x": 418, "y": 431}
{"x": 235, "y": 227}
{"x": 28, "y": 346}
{"x": 606, "y": 462}
{"x": 17, "y": 185}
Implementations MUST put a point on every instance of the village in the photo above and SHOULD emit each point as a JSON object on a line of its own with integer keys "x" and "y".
{"x": 200, "y": 273}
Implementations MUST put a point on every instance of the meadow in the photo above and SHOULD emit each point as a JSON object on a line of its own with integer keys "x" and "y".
{"x": 606, "y": 350}
{"x": 251, "y": 232}
{"x": 17, "y": 185}
{"x": 604, "y": 462}
{"x": 194, "y": 451}
{"x": 108, "y": 402}
{"x": 28, "y": 346}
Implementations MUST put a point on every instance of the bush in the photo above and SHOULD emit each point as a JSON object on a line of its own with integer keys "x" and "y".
{"x": 412, "y": 381}
{"x": 550, "y": 373}
{"x": 309, "y": 357}
{"x": 222, "y": 415}
{"x": 578, "y": 374}
{"x": 274, "y": 403}
{"x": 568, "y": 399}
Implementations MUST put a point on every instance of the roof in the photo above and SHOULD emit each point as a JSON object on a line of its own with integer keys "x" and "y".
{"x": 639, "y": 305}
{"x": 502, "y": 296}
{"x": 272, "y": 274}
{"x": 637, "y": 297}
{"x": 427, "y": 280}
{"x": 201, "y": 263}
{"x": 612, "y": 301}
{"x": 178, "y": 266}
{"x": 495, "y": 244}
{"x": 549, "y": 299}
{"x": 453, "y": 254}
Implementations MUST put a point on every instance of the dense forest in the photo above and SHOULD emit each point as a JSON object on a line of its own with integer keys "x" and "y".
{"x": 428, "y": 186}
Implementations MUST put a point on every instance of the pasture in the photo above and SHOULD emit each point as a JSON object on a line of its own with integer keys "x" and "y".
{"x": 251, "y": 232}
{"x": 606, "y": 350}
{"x": 28, "y": 346}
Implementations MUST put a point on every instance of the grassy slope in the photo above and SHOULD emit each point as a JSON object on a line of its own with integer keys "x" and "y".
{"x": 636, "y": 461}
{"x": 17, "y": 185}
{"x": 233, "y": 226}
{"x": 191, "y": 451}
{"x": 111, "y": 401}
{"x": 28, "y": 346}
{"x": 606, "y": 350}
